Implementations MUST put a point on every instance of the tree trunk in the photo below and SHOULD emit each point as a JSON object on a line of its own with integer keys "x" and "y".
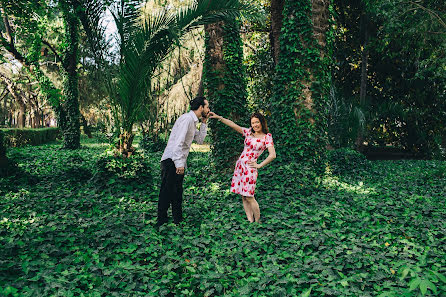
{"x": 124, "y": 145}
{"x": 276, "y": 25}
{"x": 363, "y": 87}
{"x": 71, "y": 133}
{"x": 300, "y": 91}
{"x": 225, "y": 85}
{"x": 87, "y": 130}
{"x": 4, "y": 111}
{"x": 14, "y": 92}
{"x": 22, "y": 114}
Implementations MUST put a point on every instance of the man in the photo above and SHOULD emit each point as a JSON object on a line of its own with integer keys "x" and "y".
{"x": 173, "y": 161}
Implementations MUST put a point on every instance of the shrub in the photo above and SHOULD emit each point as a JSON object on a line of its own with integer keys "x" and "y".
{"x": 133, "y": 171}
{"x": 152, "y": 144}
{"x": 15, "y": 137}
{"x": 6, "y": 166}
{"x": 346, "y": 160}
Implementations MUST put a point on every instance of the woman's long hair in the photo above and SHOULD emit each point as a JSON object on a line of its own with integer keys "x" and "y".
{"x": 262, "y": 120}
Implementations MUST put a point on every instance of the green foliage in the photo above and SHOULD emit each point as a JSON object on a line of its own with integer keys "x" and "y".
{"x": 346, "y": 160}
{"x": 111, "y": 170}
{"x": 152, "y": 144}
{"x": 71, "y": 125}
{"x": 405, "y": 74}
{"x": 27, "y": 136}
{"x": 260, "y": 73}
{"x": 345, "y": 119}
{"x": 2, "y": 145}
{"x": 6, "y": 166}
{"x": 145, "y": 45}
{"x": 226, "y": 90}
{"x": 377, "y": 231}
{"x": 298, "y": 126}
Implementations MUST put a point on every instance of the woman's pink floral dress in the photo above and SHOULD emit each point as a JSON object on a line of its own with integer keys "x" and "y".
{"x": 244, "y": 178}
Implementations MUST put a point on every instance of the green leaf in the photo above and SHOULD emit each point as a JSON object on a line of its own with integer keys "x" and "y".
{"x": 423, "y": 287}
{"x": 191, "y": 269}
{"x": 440, "y": 276}
{"x": 414, "y": 284}
{"x": 306, "y": 293}
{"x": 404, "y": 273}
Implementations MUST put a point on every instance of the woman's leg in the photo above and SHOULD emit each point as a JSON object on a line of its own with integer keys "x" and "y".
{"x": 248, "y": 209}
{"x": 254, "y": 208}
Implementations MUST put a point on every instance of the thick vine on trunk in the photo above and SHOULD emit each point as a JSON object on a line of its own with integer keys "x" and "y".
{"x": 71, "y": 133}
{"x": 225, "y": 86}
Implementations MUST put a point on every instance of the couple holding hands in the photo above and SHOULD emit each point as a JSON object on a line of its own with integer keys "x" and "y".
{"x": 173, "y": 161}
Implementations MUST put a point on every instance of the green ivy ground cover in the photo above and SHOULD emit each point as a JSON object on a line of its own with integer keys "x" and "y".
{"x": 377, "y": 232}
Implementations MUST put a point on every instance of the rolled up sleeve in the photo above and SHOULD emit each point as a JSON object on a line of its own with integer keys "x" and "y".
{"x": 178, "y": 156}
{"x": 200, "y": 134}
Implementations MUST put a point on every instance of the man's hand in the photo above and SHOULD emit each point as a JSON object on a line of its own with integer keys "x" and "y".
{"x": 180, "y": 170}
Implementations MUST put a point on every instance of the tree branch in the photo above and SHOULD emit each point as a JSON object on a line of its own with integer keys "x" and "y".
{"x": 429, "y": 11}
{"x": 52, "y": 49}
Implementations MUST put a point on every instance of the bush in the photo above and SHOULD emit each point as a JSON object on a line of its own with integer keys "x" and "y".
{"x": 15, "y": 137}
{"x": 345, "y": 160}
{"x": 6, "y": 166}
{"x": 283, "y": 178}
{"x": 151, "y": 144}
{"x": 133, "y": 171}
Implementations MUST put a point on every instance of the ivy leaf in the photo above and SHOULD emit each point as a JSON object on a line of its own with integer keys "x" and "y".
{"x": 306, "y": 293}
{"x": 423, "y": 287}
{"x": 414, "y": 284}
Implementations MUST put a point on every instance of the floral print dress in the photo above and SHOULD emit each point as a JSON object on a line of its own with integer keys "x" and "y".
{"x": 244, "y": 178}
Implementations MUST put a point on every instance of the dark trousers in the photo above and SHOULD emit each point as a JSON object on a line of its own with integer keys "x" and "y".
{"x": 171, "y": 193}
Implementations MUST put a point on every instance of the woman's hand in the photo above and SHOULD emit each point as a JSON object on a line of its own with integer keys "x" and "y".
{"x": 213, "y": 115}
{"x": 253, "y": 164}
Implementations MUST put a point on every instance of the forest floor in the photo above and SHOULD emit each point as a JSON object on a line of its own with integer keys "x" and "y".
{"x": 379, "y": 232}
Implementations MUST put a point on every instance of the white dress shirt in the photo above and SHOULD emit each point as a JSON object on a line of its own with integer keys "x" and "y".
{"x": 184, "y": 131}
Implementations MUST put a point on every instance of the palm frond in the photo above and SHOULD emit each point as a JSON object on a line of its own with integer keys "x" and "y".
{"x": 145, "y": 44}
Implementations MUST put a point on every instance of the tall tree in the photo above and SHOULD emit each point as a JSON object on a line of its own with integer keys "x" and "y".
{"x": 225, "y": 85}
{"x": 71, "y": 131}
{"x": 74, "y": 13}
{"x": 276, "y": 26}
{"x": 301, "y": 87}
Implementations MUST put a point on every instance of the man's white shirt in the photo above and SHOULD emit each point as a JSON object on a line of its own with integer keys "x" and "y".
{"x": 184, "y": 131}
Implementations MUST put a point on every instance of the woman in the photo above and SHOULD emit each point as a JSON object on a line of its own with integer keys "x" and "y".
{"x": 257, "y": 139}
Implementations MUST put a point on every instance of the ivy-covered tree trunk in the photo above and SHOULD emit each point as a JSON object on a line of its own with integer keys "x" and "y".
{"x": 71, "y": 131}
{"x": 225, "y": 85}
{"x": 300, "y": 91}
{"x": 276, "y": 25}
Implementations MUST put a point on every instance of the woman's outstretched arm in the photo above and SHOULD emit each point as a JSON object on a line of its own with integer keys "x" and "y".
{"x": 227, "y": 122}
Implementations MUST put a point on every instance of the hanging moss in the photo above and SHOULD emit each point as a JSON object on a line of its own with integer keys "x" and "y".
{"x": 225, "y": 85}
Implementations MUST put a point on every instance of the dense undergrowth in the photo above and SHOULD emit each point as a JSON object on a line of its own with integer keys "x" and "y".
{"x": 378, "y": 231}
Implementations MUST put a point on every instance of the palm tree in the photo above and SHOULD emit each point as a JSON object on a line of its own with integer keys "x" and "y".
{"x": 143, "y": 46}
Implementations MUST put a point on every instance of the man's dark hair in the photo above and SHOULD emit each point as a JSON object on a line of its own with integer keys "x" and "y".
{"x": 197, "y": 102}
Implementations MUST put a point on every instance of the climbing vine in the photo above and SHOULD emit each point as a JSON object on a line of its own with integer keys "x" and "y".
{"x": 300, "y": 90}
{"x": 71, "y": 133}
{"x": 225, "y": 87}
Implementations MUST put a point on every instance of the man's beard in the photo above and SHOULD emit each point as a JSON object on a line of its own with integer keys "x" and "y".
{"x": 204, "y": 114}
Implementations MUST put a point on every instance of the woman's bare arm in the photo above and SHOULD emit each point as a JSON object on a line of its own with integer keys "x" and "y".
{"x": 227, "y": 122}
